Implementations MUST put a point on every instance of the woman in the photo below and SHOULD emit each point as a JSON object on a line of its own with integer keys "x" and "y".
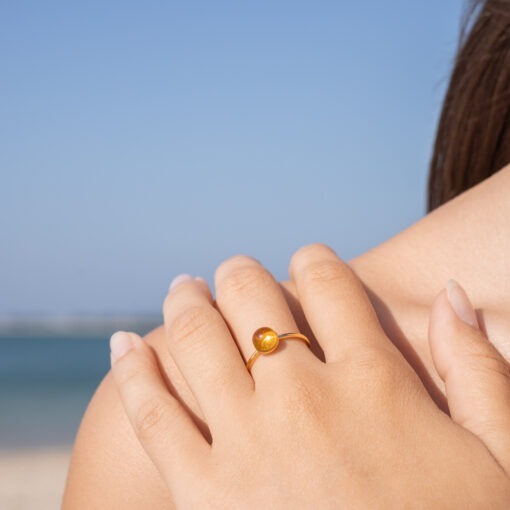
{"x": 110, "y": 469}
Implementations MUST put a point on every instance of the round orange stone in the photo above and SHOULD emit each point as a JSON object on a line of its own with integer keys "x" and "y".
{"x": 265, "y": 340}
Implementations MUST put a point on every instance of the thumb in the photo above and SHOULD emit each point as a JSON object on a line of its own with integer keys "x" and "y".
{"x": 476, "y": 376}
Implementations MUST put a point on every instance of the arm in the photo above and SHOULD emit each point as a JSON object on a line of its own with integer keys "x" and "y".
{"x": 467, "y": 239}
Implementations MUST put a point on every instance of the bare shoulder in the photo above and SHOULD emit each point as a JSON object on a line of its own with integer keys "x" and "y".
{"x": 109, "y": 469}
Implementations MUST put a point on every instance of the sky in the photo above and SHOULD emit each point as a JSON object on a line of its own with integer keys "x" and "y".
{"x": 140, "y": 140}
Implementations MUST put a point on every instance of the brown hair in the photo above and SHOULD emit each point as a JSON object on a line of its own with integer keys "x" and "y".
{"x": 473, "y": 135}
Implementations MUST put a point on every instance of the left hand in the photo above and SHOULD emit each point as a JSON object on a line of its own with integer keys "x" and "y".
{"x": 358, "y": 431}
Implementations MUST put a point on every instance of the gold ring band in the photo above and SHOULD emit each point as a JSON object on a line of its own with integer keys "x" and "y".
{"x": 266, "y": 341}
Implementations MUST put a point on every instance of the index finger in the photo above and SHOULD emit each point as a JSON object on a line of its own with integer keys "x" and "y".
{"x": 335, "y": 303}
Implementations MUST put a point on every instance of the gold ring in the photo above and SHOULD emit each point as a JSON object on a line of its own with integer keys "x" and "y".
{"x": 266, "y": 341}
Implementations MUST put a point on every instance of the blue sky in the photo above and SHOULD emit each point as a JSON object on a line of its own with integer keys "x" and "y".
{"x": 142, "y": 140}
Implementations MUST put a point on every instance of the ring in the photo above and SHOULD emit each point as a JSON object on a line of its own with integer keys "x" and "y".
{"x": 266, "y": 341}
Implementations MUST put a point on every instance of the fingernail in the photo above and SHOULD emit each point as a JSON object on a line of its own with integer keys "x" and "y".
{"x": 461, "y": 304}
{"x": 120, "y": 343}
{"x": 179, "y": 279}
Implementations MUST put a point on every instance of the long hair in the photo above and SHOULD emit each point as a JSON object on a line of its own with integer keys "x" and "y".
{"x": 473, "y": 135}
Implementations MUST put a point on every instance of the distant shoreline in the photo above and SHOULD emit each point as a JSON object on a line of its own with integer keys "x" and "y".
{"x": 76, "y": 325}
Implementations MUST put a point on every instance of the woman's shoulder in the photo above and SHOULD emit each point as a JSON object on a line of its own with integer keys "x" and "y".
{"x": 109, "y": 468}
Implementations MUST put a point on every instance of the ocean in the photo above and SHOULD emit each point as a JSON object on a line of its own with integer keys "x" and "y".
{"x": 45, "y": 386}
{"x": 50, "y": 367}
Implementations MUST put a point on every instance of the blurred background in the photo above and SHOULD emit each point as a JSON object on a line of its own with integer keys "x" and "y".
{"x": 142, "y": 140}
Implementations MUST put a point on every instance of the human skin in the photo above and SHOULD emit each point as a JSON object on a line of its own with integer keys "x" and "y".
{"x": 353, "y": 432}
{"x": 467, "y": 239}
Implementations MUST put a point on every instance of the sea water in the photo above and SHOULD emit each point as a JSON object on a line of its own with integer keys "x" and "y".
{"x": 45, "y": 386}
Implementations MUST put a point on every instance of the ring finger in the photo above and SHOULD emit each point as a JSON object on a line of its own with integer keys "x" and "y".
{"x": 248, "y": 298}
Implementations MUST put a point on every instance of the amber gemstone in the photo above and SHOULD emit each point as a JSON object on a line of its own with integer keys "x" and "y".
{"x": 265, "y": 340}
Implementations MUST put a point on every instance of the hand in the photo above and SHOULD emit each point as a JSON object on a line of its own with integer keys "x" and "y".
{"x": 358, "y": 431}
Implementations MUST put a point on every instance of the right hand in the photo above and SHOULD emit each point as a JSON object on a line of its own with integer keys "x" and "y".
{"x": 464, "y": 358}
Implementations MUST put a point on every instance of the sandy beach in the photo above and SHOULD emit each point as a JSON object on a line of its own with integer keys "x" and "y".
{"x": 33, "y": 479}
{"x": 46, "y": 384}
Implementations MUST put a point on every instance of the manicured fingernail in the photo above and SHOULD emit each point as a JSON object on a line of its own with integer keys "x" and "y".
{"x": 461, "y": 304}
{"x": 179, "y": 279}
{"x": 120, "y": 343}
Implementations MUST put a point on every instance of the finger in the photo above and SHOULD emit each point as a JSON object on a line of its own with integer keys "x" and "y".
{"x": 335, "y": 303}
{"x": 249, "y": 298}
{"x": 476, "y": 376}
{"x": 205, "y": 352}
{"x": 290, "y": 293}
{"x": 165, "y": 430}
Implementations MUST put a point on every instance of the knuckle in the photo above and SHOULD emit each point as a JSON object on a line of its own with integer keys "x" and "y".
{"x": 486, "y": 360}
{"x": 378, "y": 372}
{"x": 131, "y": 370}
{"x": 191, "y": 323}
{"x": 309, "y": 252}
{"x": 235, "y": 261}
{"x": 323, "y": 272}
{"x": 245, "y": 280}
{"x": 299, "y": 399}
{"x": 149, "y": 417}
